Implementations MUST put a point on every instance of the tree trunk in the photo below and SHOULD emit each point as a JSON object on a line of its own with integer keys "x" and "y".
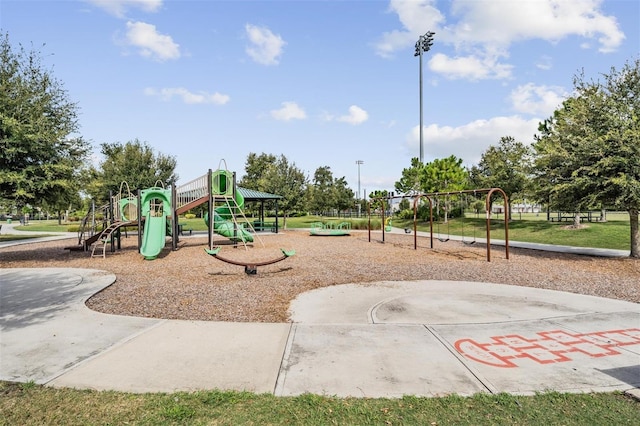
{"x": 59, "y": 217}
{"x": 576, "y": 219}
{"x": 603, "y": 215}
{"x": 635, "y": 233}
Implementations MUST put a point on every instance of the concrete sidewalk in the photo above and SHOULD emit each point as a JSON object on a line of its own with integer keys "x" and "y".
{"x": 425, "y": 338}
{"x": 9, "y": 229}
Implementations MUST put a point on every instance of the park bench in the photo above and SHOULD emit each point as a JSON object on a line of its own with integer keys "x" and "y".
{"x": 569, "y": 217}
{"x": 264, "y": 226}
{"x": 182, "y": 229}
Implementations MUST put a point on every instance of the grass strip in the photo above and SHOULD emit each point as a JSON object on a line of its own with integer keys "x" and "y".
{"x": 30, "y": 404}
{"x": 15, "y": 237}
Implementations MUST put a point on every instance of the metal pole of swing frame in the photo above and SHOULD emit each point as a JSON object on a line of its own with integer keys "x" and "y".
{"x": 359, "y": 163}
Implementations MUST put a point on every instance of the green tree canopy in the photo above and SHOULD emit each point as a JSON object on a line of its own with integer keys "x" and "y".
{"x": 444, "y": 175}
{"x": 135, "y": 163}
{"x": 40, "y": 152}
{"x": 286, "y": 180}
{"x": 440, "y": 175}
{"x": 376, "y": 199}
{"x": 343, "y": 196}
{"x": 588, "y": 152}
{"x": 255, "y": 171}
{"x": 506, "y": 166}
{"x": 320, "y": 197}
{"x": 409, "y": 183}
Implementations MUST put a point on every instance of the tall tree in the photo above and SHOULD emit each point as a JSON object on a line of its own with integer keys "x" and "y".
{"x": 320, "y": 192}
{"x": 440, "y": 175}
{"x": 255, "y": 171}
{"x": 409, "y": 183}
{"x": 343, "y": 196}
{"x": 289, "y": 182}
{"x": 40, "y": 152}
{"x": 588, "y": 152}
{"x": 444, "y": 175}
{"x": 506, "y": 166}
{"x": 135, "y": 163}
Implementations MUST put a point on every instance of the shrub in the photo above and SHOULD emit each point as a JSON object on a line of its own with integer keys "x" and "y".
{"x": 405, "y": 214}
{"x": 189, "y": 216}
{"x": 73, "y": 228}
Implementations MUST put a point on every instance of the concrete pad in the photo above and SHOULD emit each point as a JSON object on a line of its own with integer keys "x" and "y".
{"x": 45, "y": 327}
{"x": 371, "y": 361}
{"x": 343, "y": 304}
{"x": 534, "y": 356}
{"x": 441, "y": 302}
{"x": 186, "y": 356}
{"x": 384, "y": 339}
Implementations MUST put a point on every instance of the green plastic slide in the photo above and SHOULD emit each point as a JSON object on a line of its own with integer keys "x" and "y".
{"x": 153, "y": 239}
{"x": 225, "y": 227}
{"x": 156, "y": 207}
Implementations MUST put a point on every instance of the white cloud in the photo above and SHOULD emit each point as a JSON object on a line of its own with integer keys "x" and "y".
{"x": 150, "y": 42}
{"x": 544, "y": 63}
{"x": 469, "y": 67}
{"x": 537, "y": 100}
{"x": 289, "y": 111}
{"x": 470, "y": 140}
{"x": 416, "y": 17}
{"x": 503, "y": 22}
{"x": 266, "y": 47}
{"x": 119, "y": 7}
{"x": 356, "y": 116}
{"x": 187, "y": 97}
{"x": 482, "y": 31}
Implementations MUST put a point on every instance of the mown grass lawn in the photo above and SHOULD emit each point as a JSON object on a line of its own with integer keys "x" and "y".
{"x": 29, "y": 404}
{"x": 613, "y": 234}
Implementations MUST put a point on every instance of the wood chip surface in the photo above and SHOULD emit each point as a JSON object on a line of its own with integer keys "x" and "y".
{"x": 191, "y": 285}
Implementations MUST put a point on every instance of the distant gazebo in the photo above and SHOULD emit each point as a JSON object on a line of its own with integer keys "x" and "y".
{"x": 261, "y": 197}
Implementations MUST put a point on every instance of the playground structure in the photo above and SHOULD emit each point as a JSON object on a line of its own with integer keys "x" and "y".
{"x": 223, "y": 219}
{"x": 218, "y": 188}
{"x": 430, "y": 197}
{"x": 154, "y": 211}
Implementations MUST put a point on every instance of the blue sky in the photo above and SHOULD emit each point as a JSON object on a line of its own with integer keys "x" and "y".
{"x": 326, "y": 83}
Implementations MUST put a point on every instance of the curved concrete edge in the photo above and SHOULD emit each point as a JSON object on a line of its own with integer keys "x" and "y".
{"x": 442, "y": 302}
{"x": 46, "y": 327}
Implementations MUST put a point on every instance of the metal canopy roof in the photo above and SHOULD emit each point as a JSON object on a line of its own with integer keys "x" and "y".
{"x": 251, "y": 195}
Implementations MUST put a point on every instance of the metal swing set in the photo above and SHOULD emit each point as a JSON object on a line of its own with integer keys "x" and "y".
{"x": 430, "y": 197}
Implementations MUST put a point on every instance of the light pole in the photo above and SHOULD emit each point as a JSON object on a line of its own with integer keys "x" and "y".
{"x": 359, "y": 163}
{"x": 423, "y": 44}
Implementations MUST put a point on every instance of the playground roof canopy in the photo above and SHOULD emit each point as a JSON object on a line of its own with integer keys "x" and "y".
{"x": 251, "y": 195}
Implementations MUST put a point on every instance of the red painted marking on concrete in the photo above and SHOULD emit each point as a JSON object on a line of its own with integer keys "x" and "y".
{"x": 478, "y": 352}
{"x": 547, "y": 347}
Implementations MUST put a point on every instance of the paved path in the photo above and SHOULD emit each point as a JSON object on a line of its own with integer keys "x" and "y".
{"x": 9, "y": 229}
{"x": 425, "y": 338}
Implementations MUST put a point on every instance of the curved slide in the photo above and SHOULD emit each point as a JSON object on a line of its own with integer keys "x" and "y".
{"x": 155, "y": 220}
{"x": 223, "y": 225}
